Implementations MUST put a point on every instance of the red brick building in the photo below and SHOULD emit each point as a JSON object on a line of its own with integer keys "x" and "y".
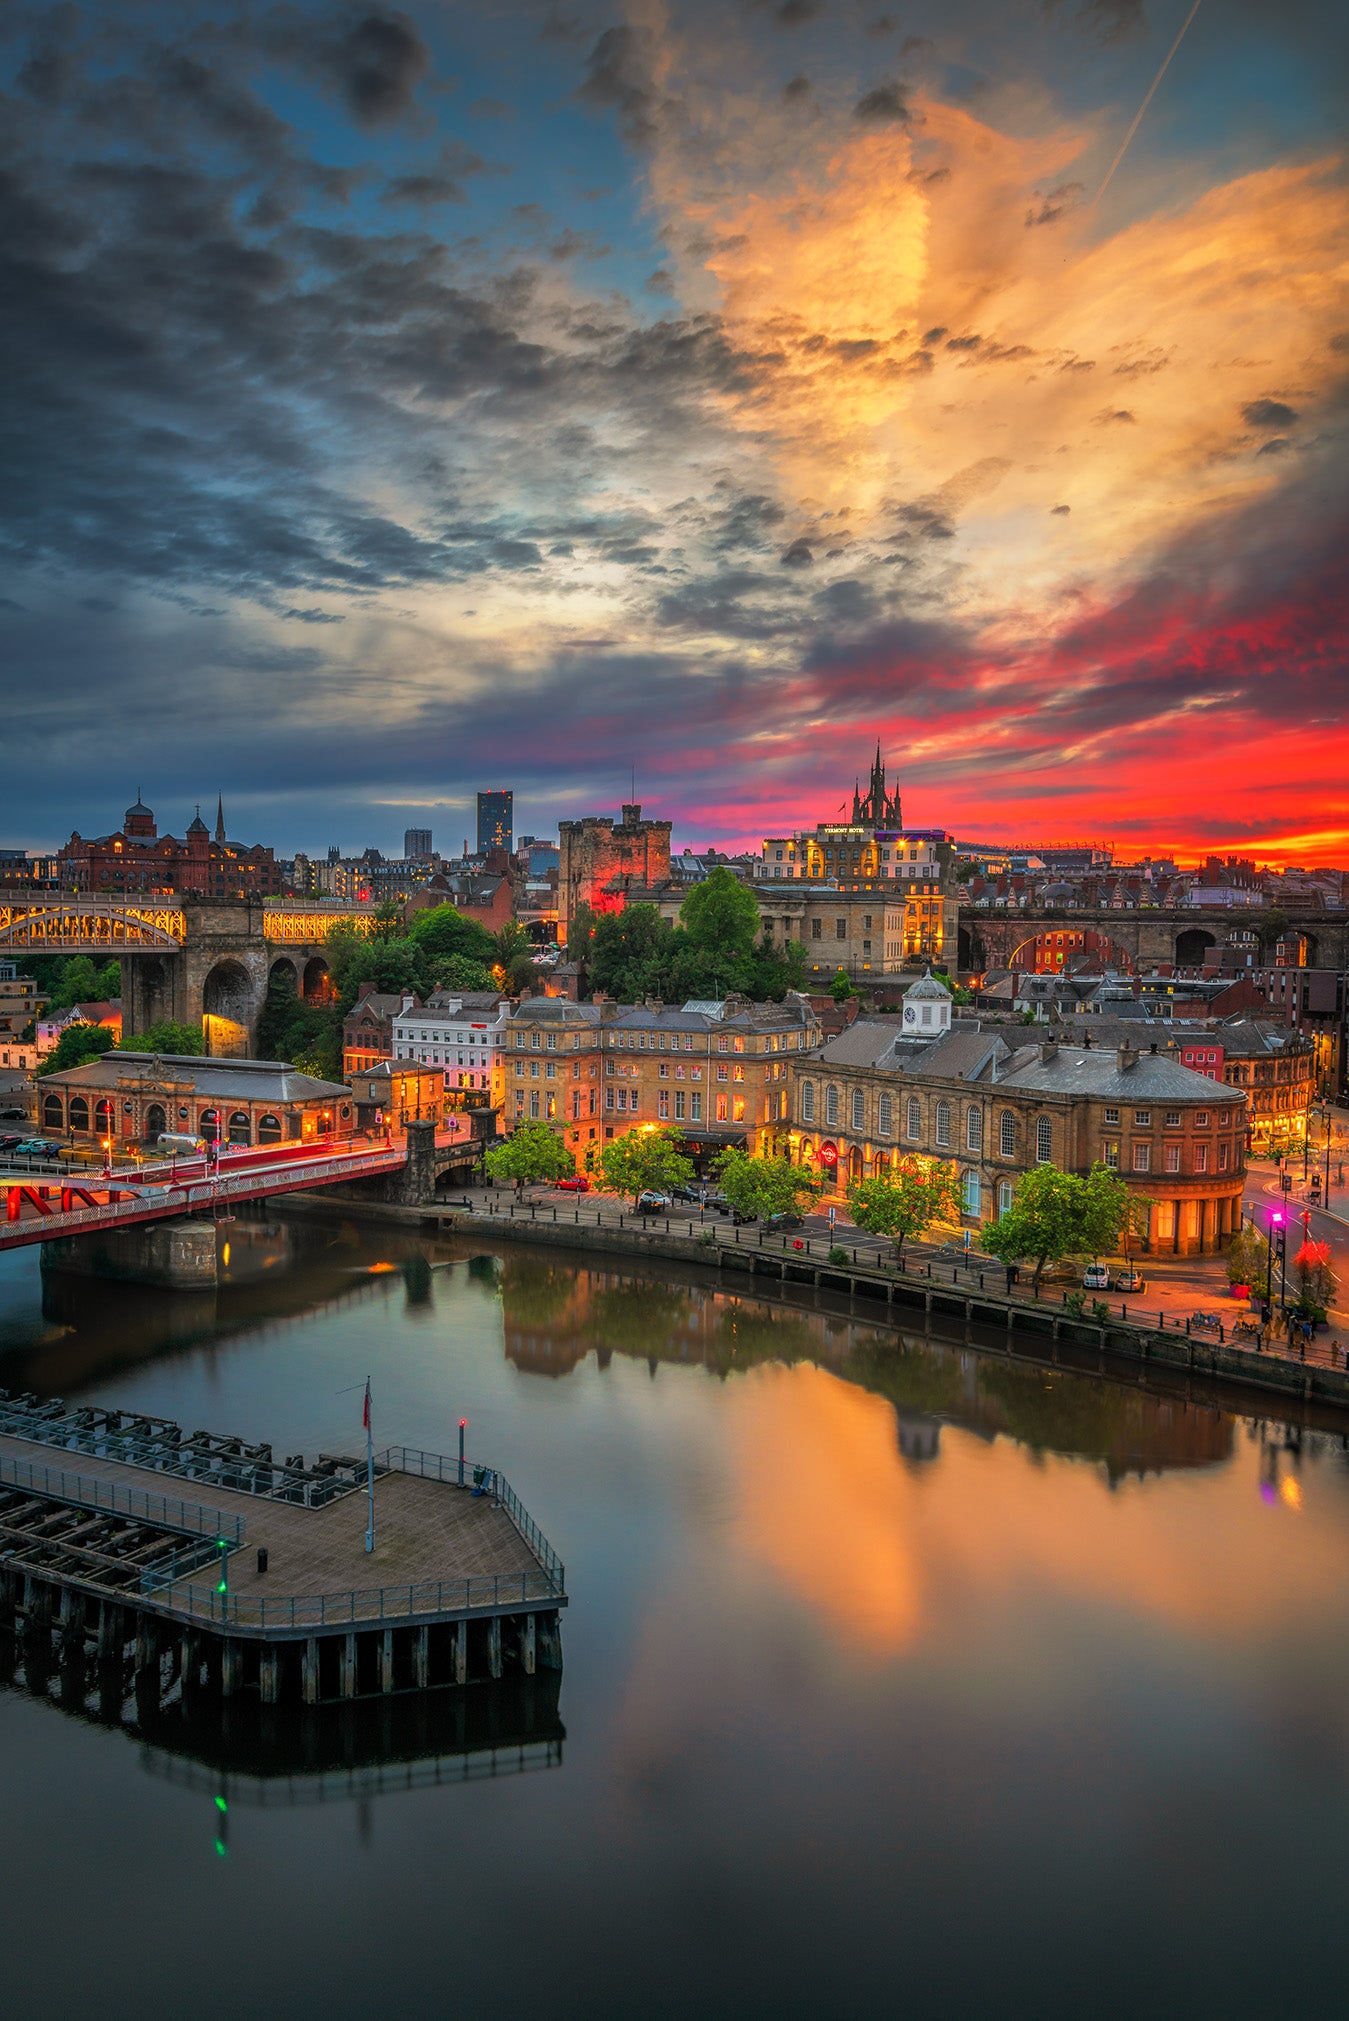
{"x": 600, "y": 860}
{"x": 137, "y": 858}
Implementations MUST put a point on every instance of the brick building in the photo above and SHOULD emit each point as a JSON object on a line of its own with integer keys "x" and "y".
{"x": 138, "y": 1097}
{"x": 137, "y": 858}
{"x": 367, "y": 1028}
{"x": 600, "y": 859}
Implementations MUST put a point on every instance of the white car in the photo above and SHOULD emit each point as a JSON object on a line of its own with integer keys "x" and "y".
{"x": 1096, "y": 1278}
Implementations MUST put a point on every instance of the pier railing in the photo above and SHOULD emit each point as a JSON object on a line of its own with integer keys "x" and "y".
{"x": 441, "y": 1467}
{"x": 161, "y": 1510}
{"x": 367, "y": 1606}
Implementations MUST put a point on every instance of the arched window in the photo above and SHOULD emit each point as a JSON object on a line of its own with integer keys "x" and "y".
{"x": 79, "y": 1113}
{"x": 1007, "y": 1134}
{"x": 104, "y": 1117}
{"x": 807, "y": 1101}
{"x": 209, "y": 1125}
{"x": 1044, "y": 1141}
{"x": 831, "y": 1106}
{"x": 914, "y": 1125}
{"x": 974, "y": 1129}
{"x": 53, "y": 1114}
{"x": 240, "y": 1130}
{"x": 943, "y": 1123}
{"x": 859, "y": 1112}
{"x": 1005, "y": 1192}
{"x": 269, "y": 1129}
{"x": 971, "y": 1192}
{"x": 156, "y": 1122}
{"x": 883, "y": 1116}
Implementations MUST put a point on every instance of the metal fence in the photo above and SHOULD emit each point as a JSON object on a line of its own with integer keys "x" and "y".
{"x": 440, "y": 1467}
{"x": 158, "y": 1510}
{"x": 365, "y": 1607}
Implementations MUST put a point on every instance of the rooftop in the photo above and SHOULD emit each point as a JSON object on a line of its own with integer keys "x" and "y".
{"x": 230, "y": 1080}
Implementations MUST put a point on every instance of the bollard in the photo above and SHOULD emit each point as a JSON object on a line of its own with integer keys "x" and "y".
{"x": 262, "y": 1557}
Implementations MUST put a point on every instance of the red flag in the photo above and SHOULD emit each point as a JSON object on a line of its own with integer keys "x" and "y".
{"x": 365, "y": 1415}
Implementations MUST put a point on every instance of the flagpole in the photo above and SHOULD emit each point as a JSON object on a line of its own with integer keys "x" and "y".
{"x": 369, "y": 1469}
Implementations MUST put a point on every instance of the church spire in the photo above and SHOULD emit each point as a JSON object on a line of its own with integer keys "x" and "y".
{"x": 219, "y": 817}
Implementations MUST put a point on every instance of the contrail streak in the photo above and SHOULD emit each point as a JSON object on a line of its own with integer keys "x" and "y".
{"x": 1138, "y": 116}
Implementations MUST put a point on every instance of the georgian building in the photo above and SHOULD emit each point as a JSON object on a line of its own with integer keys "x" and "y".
{"x": 138, "y": 859}
{"x": 461, "y": 1034}
{"x": 997, "y": 1109}
{"x": 716, "y": 1073}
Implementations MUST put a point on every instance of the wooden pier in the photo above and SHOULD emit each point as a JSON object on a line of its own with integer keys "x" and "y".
{"x": 200, "y": 1564}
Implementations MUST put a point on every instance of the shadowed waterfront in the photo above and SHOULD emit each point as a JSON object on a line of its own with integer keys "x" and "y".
{"x": 888, "y": 1663}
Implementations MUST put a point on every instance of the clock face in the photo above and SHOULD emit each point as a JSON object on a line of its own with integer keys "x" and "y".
{"x": 910, "y": 1014}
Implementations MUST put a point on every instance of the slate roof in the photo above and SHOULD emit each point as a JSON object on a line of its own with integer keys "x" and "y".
{"x": 1095, "y": 1070}
{"x": 220, "y": 1080}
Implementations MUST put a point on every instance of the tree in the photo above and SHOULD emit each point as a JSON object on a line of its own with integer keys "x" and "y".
{"x": 763, "y": 1186}
{"x": 456, "y": 971}
{"x": 840, "y": 989}
{"x": 644, "y": 1160}
{"x": 165, "y": 1036}
{"x": 78, "y": 984}
{"x": 1055, "y": 1214}
{"x": 579, "y": 934}
{"x": 904, "y": 1199}
{"x": 509, "y": 942}
{"x": 721, "y": 915}
{"x": 1315, "y": 1278}
{"x": 388, "y": 916}
{"x": 958, "y": 995}
{"x": 531, "y": 1153}
{"x": 1247, "y": 1256}
{"x": 77, "y": 1045}
{"x": 630, "y": 953}
{"x": 443, "y": 930}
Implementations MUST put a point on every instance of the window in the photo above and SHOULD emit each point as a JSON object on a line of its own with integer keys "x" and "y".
{"x": 883, "y": 1116}
{"x": 1044, "y": 1141}
{"x": 831, "y": 1106}
{"x": 721, "y": 1108}
{"x": 1201, "y": 1157}
{"x": 840, "y": 929}
{"x": 721, "y": 1073}
{"x": 817, "y": 929}
{"x": 914, "y": 1122}
{"x": 1173, "y": 1119}
{"x": 679, "y": 1105}
{"x": 1143, "y": 1118}
{"x": 665, "y": 1070}
{"x": 858, "y": 1112}
{"x": 1171, "y": 1158}
{"x": 534, "y": 1103}
{"x": 1224, "y": 1155}
{"x": 269, "y": 1129}
{"x": 1201, "y": 1119}
{"x": 974, "y": 1129}
{"x": 1112, "y": 1115}
{"x": 738, "y": 1109}
{"x": 738, "y": 1073}
{"x": 1142, "y": 1157}
{"x": 1110, "y": 1154}
{"x": 971, "y": 1192}
{"x": 534, "y": 1040}
{"x": 807, "y": 1101}
{"x": 1005, "y": 1191}
{"x": 943, "y": 1123}
{"x": 1007, "y": 1134}
{"x": 696, "y": 1109}
{"x": 723, "y": 1045}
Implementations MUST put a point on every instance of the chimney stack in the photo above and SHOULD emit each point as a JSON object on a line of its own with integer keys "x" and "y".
{"x": 1126, "y": 1058}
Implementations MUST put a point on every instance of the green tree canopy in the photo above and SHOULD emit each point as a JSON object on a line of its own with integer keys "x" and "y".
{"x": 1247, "y": 1256}
{"x": 165, "y": 1036}
{"x": 904, "y": 1200}
{"x": 644, "y": 1160}
{"x": 533, "y": 1152}
{"x": 77, "y": 1045}
{"x": 764, "y": 1186}
{"x": 630, "y": 953}
{"x": 1056, "y": 1214}
{"x": 840, "y": 989}
{"x": 721, "y": 915}
{"x": 443, "y": 930}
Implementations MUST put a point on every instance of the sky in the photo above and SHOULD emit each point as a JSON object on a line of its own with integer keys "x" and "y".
{"x": 401, "y": 401}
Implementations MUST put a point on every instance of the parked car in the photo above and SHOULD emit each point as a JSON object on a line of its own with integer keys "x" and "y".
{"x": 1096, "y": 1277}
{"x": 692, "y": 1196}
{"x": 784, "y": 1222}
{"x": 10, "y": 1143}
{"x": 1131, "y": 1280}
{"x": 717, "y": 1202}
{"x": 653, "y": 1203}
{"x": 579, "y": 1184}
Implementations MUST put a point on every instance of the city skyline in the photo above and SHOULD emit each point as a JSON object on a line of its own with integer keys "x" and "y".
{"x": 407, "y": 399}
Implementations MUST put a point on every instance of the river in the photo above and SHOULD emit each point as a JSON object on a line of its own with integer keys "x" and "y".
{"x": 896, "y": 1678}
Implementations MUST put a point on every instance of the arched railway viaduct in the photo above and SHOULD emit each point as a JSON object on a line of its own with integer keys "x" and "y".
{"x": 1132, "y": 940}
{"x": 187, "y": 958}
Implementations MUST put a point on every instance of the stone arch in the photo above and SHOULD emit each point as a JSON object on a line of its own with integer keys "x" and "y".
{"x": 318, "y": 986}
{"x": 105, "y": 1117}
{"x": 156, "y": 1121}
{"x": 1057, "y": 947}
{"x": 208, "y": 1125}
{"x": 964, "y": 950}
{"x": 240, "y": 1127}
{"x": 1192, "y": 946}
{"x": 281, "y": 969}
{"x": 227, "y": 1009}
{"x": 78, "y": 1112}
{"x": 53, "y": 1113}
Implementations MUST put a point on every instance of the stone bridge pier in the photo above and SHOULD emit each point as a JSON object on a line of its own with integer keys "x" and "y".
{"x": 220, "y": 974}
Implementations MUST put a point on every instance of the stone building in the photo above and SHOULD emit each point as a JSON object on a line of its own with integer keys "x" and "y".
{"x": 393, "y": 1093}
{"x": 599, "y": 859}
{"x": 713, "y": 1072}
{"x": 138, "y": 1097}
{"x": 367, "y": 1028}
{"x": 998, "y": 1107}
{"x": 137, "y": 858}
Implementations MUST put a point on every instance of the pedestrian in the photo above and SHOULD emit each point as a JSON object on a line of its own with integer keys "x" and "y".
{"x": 1334, "y": 1353}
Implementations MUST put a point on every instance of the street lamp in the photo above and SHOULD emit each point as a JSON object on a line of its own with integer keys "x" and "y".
{"x": 1276, "y": 1220}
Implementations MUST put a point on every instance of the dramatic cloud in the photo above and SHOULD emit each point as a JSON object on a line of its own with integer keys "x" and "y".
{"x": 761, "y": 403}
